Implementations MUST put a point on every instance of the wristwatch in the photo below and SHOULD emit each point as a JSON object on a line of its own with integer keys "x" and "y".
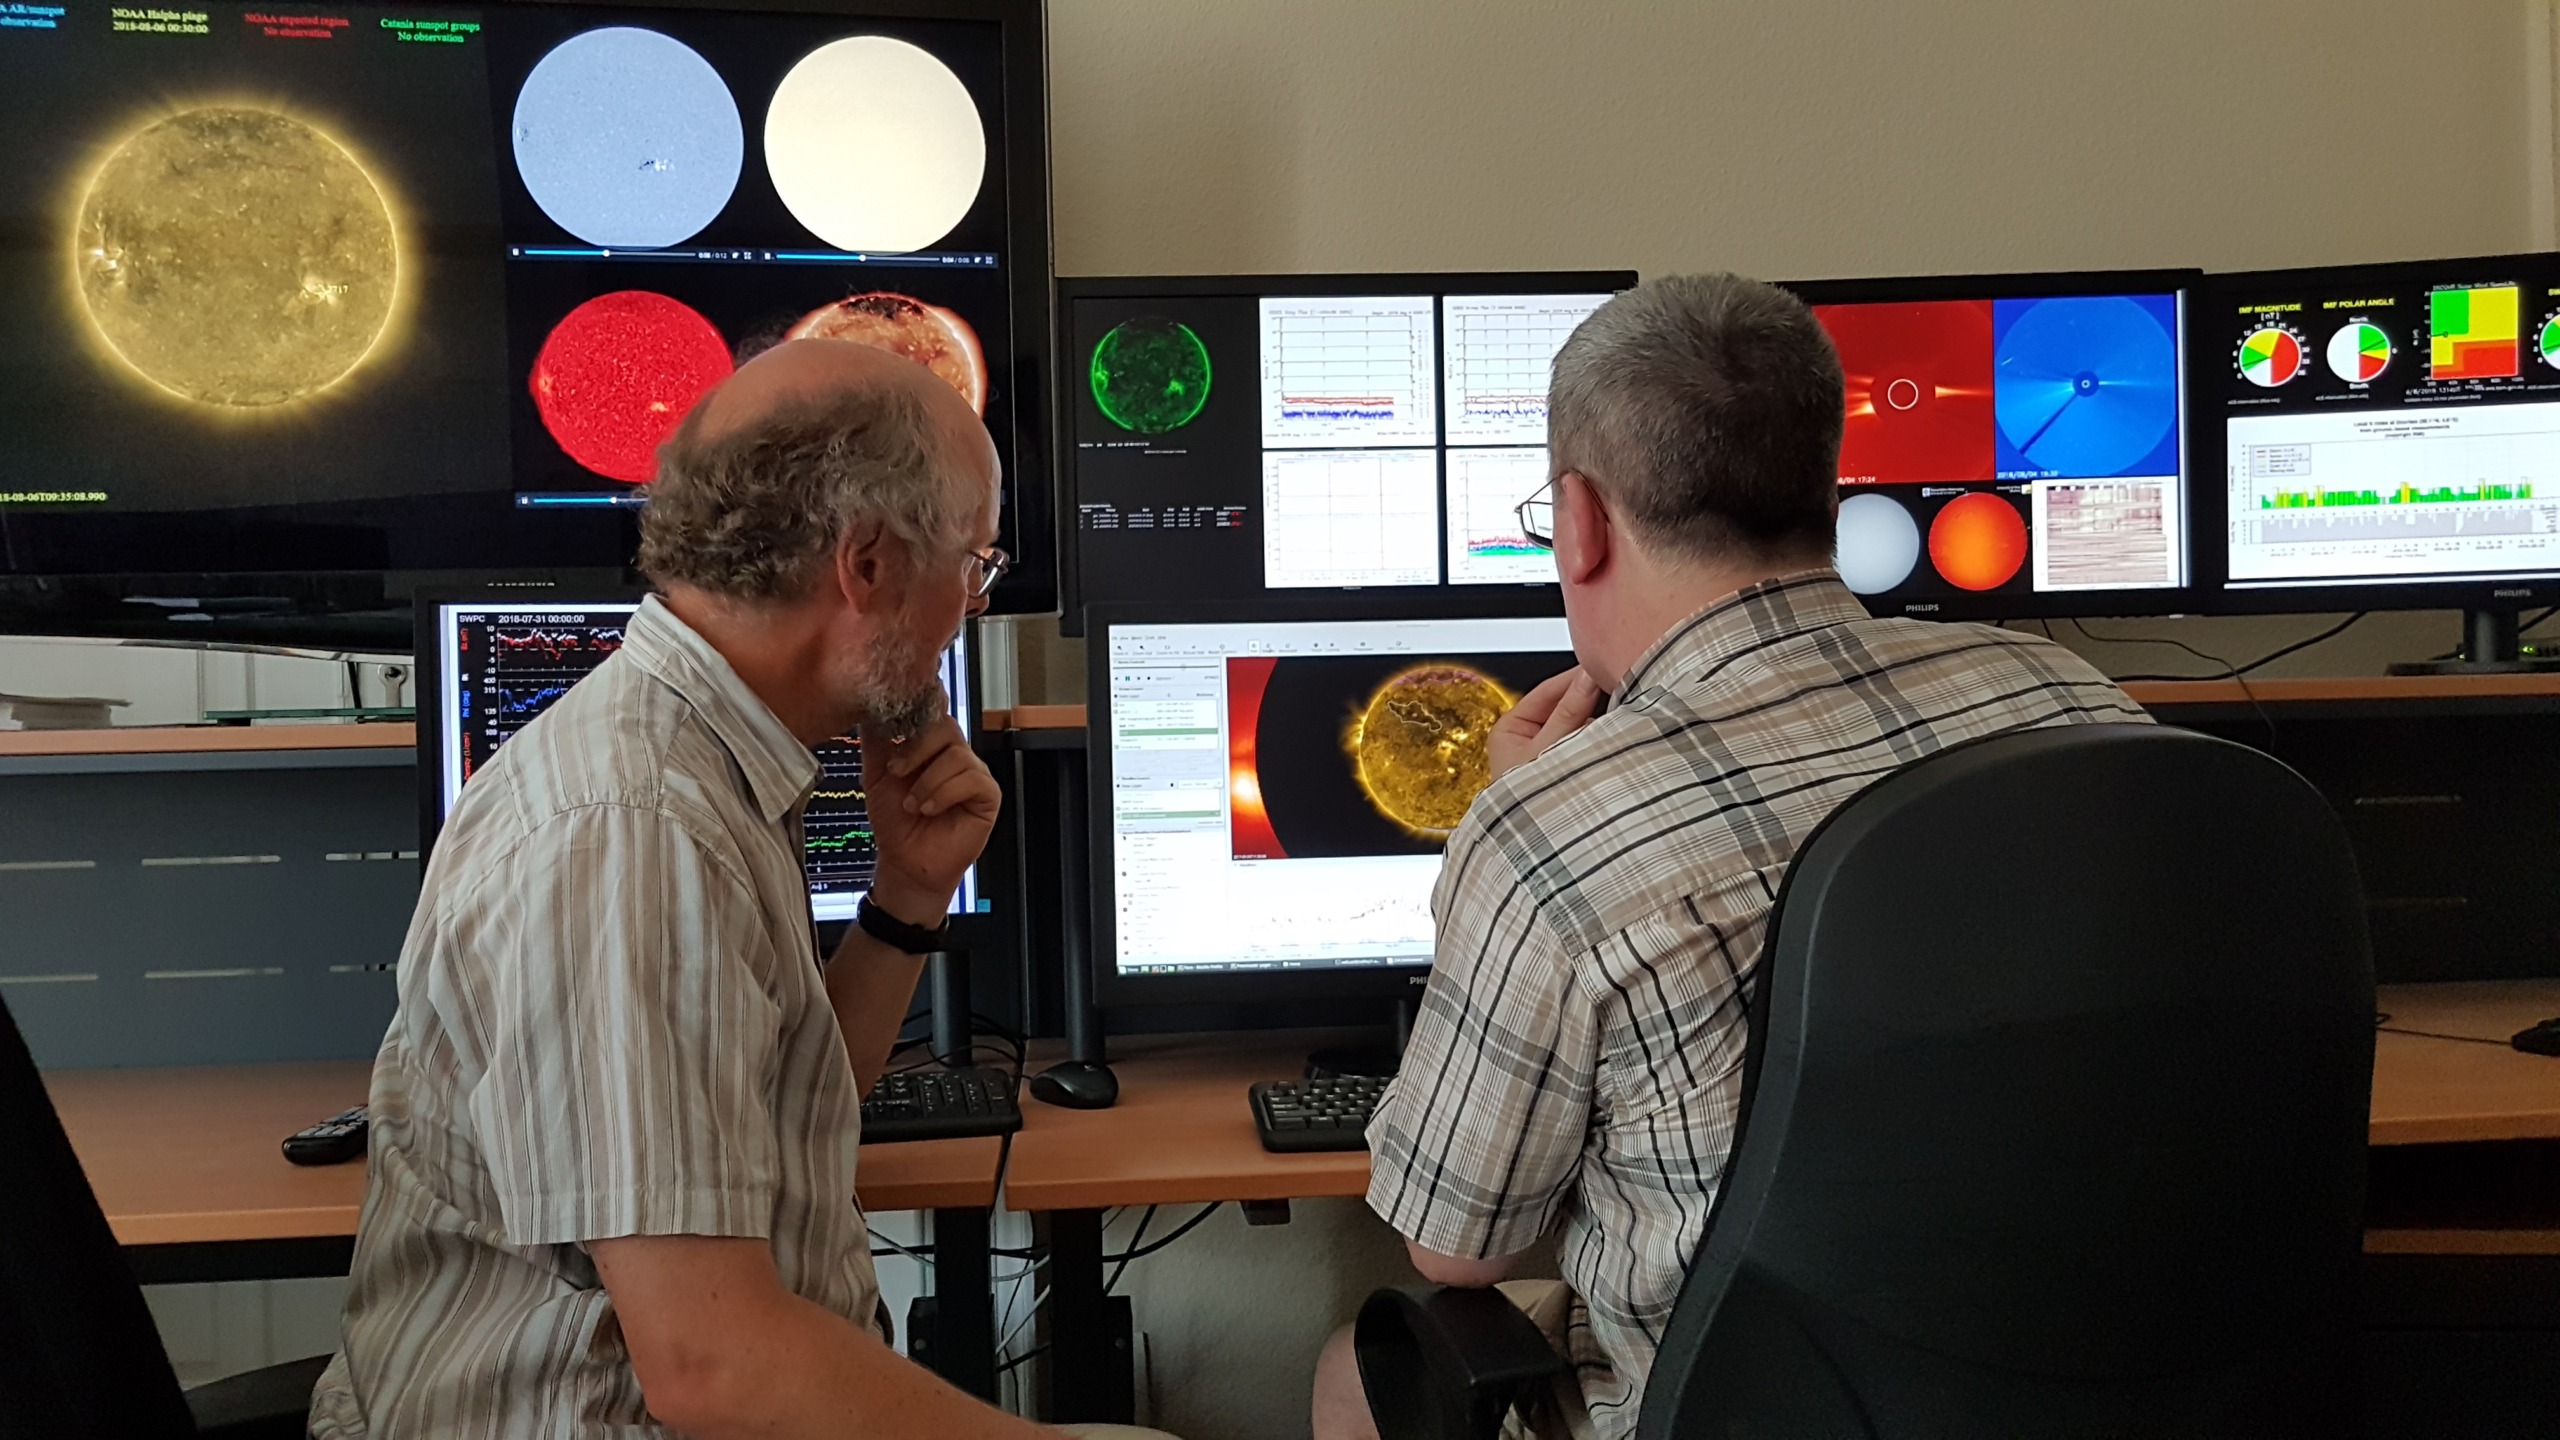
{"x": 897, "y": 934}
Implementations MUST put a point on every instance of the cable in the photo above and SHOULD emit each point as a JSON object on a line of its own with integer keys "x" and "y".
{"x": 2236, "y": 674}
{"x": 922, "y": 1255}
{"x": 1137, "y": 1251}
{"x": 1129, "y": 1254}
{"x": 1025, "y": 1358}
{"x": 2382, "y": 1024}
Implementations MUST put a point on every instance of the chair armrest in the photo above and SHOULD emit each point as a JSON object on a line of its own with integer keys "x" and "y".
{"x": 1448, "y": 1364}
{"x": 269, "y": 1404}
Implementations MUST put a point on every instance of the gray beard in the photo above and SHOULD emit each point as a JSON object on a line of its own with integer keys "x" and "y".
{"x": 892, "y": 705}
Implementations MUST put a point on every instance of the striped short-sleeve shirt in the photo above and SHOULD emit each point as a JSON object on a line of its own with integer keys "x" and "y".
{"x": 1577, "y": 1064}
{"x": 611, "y": 1022}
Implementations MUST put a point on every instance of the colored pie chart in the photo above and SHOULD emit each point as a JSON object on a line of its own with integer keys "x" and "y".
{"x": 2270, "y": 356}
{"x": 2358, "y": 352}
{"x": 2549, "y": 342}
{"x": 1978, "y": 542}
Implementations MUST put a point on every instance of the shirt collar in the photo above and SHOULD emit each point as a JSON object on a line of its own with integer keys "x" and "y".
{"x": 1758, "y": 614}
{"x": 778, "y": 768}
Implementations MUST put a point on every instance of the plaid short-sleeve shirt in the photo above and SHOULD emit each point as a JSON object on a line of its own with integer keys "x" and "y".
{"x": 611, "y": 1023}
{"x": 1578, "y": 1060}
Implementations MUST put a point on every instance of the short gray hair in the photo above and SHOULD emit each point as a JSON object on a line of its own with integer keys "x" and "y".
{"x": 754, "y": 513}
{"x": 1709, "y": 407}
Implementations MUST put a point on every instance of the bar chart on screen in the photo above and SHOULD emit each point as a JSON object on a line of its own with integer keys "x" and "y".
{"x": 1349, "y": 517}
{"x": 1498, "y": 352}
{"x": 1487, "y": 545}
{"x": 1349, "y": 371}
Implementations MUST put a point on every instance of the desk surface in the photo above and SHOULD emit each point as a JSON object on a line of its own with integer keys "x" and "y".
{"x": 181, "y": 1156}
{"x": 1181, "y": 1133}
{"x": 2429, "y": 1090}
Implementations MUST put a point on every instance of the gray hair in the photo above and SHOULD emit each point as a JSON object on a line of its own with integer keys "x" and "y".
{"x": 1709, "y": 408}
{"x": 753, "y": 514}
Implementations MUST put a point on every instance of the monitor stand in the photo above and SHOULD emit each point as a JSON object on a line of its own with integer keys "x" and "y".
{"x": 1379, "y": 1061}
{"x": 2490, "y": 646}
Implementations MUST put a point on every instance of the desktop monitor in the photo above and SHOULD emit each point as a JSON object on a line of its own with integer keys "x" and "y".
{"x": 2016, "y": 445}
{"x": 2390, "y": 434}
{"x": 1272, "y": 783}
{"x": 413, "y": 290}
{"x": 1236, "y": 437}
{"x": 489, "y": 664}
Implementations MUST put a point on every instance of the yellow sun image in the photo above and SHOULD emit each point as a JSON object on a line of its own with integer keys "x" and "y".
{"x": 236, "y": 257}
{"x": 1419, "y": 744}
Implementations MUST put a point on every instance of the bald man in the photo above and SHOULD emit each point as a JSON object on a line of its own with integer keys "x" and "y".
{"x": 615, "y": 1118}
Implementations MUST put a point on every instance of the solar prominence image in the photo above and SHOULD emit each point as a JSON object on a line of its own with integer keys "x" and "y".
{"x": 236, "y": 257}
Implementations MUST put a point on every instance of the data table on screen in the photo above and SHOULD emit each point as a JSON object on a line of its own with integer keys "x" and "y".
{"x": 1350, "y": 517}
{"x": 1499, "y": 352}
{"x": 1349, "y": 371}
{"x": 1487, "y": 545}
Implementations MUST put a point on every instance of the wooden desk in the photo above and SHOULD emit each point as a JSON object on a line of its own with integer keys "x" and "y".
{"x": 2429, "y": 1090}
{"x": 189, "y": 1157}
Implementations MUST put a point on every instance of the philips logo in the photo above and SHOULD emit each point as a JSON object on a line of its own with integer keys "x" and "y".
{"x": 1930, "y": 609}
{"x": 2518, "y": 593}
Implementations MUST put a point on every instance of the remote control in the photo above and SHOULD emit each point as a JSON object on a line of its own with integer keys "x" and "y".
{"x": 333, "y": 1141}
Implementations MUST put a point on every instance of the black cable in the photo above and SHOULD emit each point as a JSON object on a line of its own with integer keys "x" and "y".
{"x": 2228, "y": 670}
{"x": 1137, "y": 1251}
{"x": 1130, "y": 1254}
{"x": 912, "y": 1252}
{"x": 2382, "y": 1023}
{"x": 2332, "y": 632}
{"x": 1025, "y": 1358}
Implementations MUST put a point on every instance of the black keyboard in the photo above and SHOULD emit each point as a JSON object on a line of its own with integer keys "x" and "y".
{"x": 941, "y": 1105}
{"x": 1329, "y": 1114}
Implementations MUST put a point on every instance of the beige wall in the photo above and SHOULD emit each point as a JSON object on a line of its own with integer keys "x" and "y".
{"x": 1801, "y": 140}
{"x": 1781, "y": 139}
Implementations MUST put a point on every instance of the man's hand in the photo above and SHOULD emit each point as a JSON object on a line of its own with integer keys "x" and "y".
{"x": 932, "y": 805}
{"x": 1559, "y": 706}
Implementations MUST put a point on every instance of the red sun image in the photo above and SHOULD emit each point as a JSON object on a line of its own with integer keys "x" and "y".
{"x": 1978, "y": 541}
{"x": 1919, "y": 383}
{"x": 619, "y": 372}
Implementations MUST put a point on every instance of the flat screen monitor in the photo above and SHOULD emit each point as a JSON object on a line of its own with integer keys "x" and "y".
{"x": 2016, "y": 445}
{"x": 413, "y": 290}
{"x": 1272, "y": 785}
{"x": 1231, "y": 437}
{"x": 490, "y": 666}
{"x": 2390, "y": 434}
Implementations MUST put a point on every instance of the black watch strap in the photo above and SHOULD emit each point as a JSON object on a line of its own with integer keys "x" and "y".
{"x": 897, "y": 934}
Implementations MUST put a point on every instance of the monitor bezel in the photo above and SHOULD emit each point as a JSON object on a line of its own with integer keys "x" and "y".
{"x": 987, "y": 929}
{"x": 1072, "y": 618}
{"x": 2462, "y": 593}
{"x": 2187, "y": 599}
{"x": 86, "y": 602}
{"x": 1114, "y": 990}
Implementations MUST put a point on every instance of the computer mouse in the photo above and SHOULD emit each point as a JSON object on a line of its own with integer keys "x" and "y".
{"x": 1077, "y": 1085}
{"x": 2540, "y": 1038}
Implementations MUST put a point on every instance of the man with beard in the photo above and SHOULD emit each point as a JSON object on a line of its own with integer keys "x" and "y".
{"x": 615, "y": 1118}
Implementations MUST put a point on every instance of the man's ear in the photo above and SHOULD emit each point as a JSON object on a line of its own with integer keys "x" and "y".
{"x": 1584, "y": 539}
{"x": 865, "y": 563}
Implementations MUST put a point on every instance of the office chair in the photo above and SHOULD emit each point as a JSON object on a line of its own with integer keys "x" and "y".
{"x": 79, "y": 1356}
{"x": 2053, "y": 1124}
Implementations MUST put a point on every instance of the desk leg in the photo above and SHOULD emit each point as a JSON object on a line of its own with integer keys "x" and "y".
{"x": 1089, "y": 1370}
{"x": 964, "y": 1302}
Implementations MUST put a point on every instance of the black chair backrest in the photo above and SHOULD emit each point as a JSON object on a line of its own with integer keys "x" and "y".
{"x": 2055, "y": 1120}
{"x": 79, "y": 1356}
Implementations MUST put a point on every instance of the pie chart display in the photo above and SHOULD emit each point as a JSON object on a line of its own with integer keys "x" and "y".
{"x": 2358, "y": 352}
{"x": 2548, "y": 342}
{"x": 1978, "y": 542}
{"x": 2270, "y": 356}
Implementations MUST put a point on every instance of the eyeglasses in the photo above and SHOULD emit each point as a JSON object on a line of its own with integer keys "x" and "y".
{"x": 986, "y": 567}
{"x": 1537, "y": 516}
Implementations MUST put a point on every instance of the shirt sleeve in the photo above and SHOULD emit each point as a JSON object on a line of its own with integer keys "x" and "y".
{"x": 1479, "y": 1138}
{"x": 627, "y": 1040}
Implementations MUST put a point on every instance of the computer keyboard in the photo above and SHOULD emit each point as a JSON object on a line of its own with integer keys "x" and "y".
{"x": 941, "y": 1105}
{"x": 1328, "y": 1114}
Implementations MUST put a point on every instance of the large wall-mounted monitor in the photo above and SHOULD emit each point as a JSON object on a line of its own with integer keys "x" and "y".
{"x": 2390, "y": 434}
{"x": 1273, "y": 782}
{"x": 415, "y": 290}
{"x": 1230, "y": 437}
{"x": 489, "y": 665}
{"x": 2016, "y": 445}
